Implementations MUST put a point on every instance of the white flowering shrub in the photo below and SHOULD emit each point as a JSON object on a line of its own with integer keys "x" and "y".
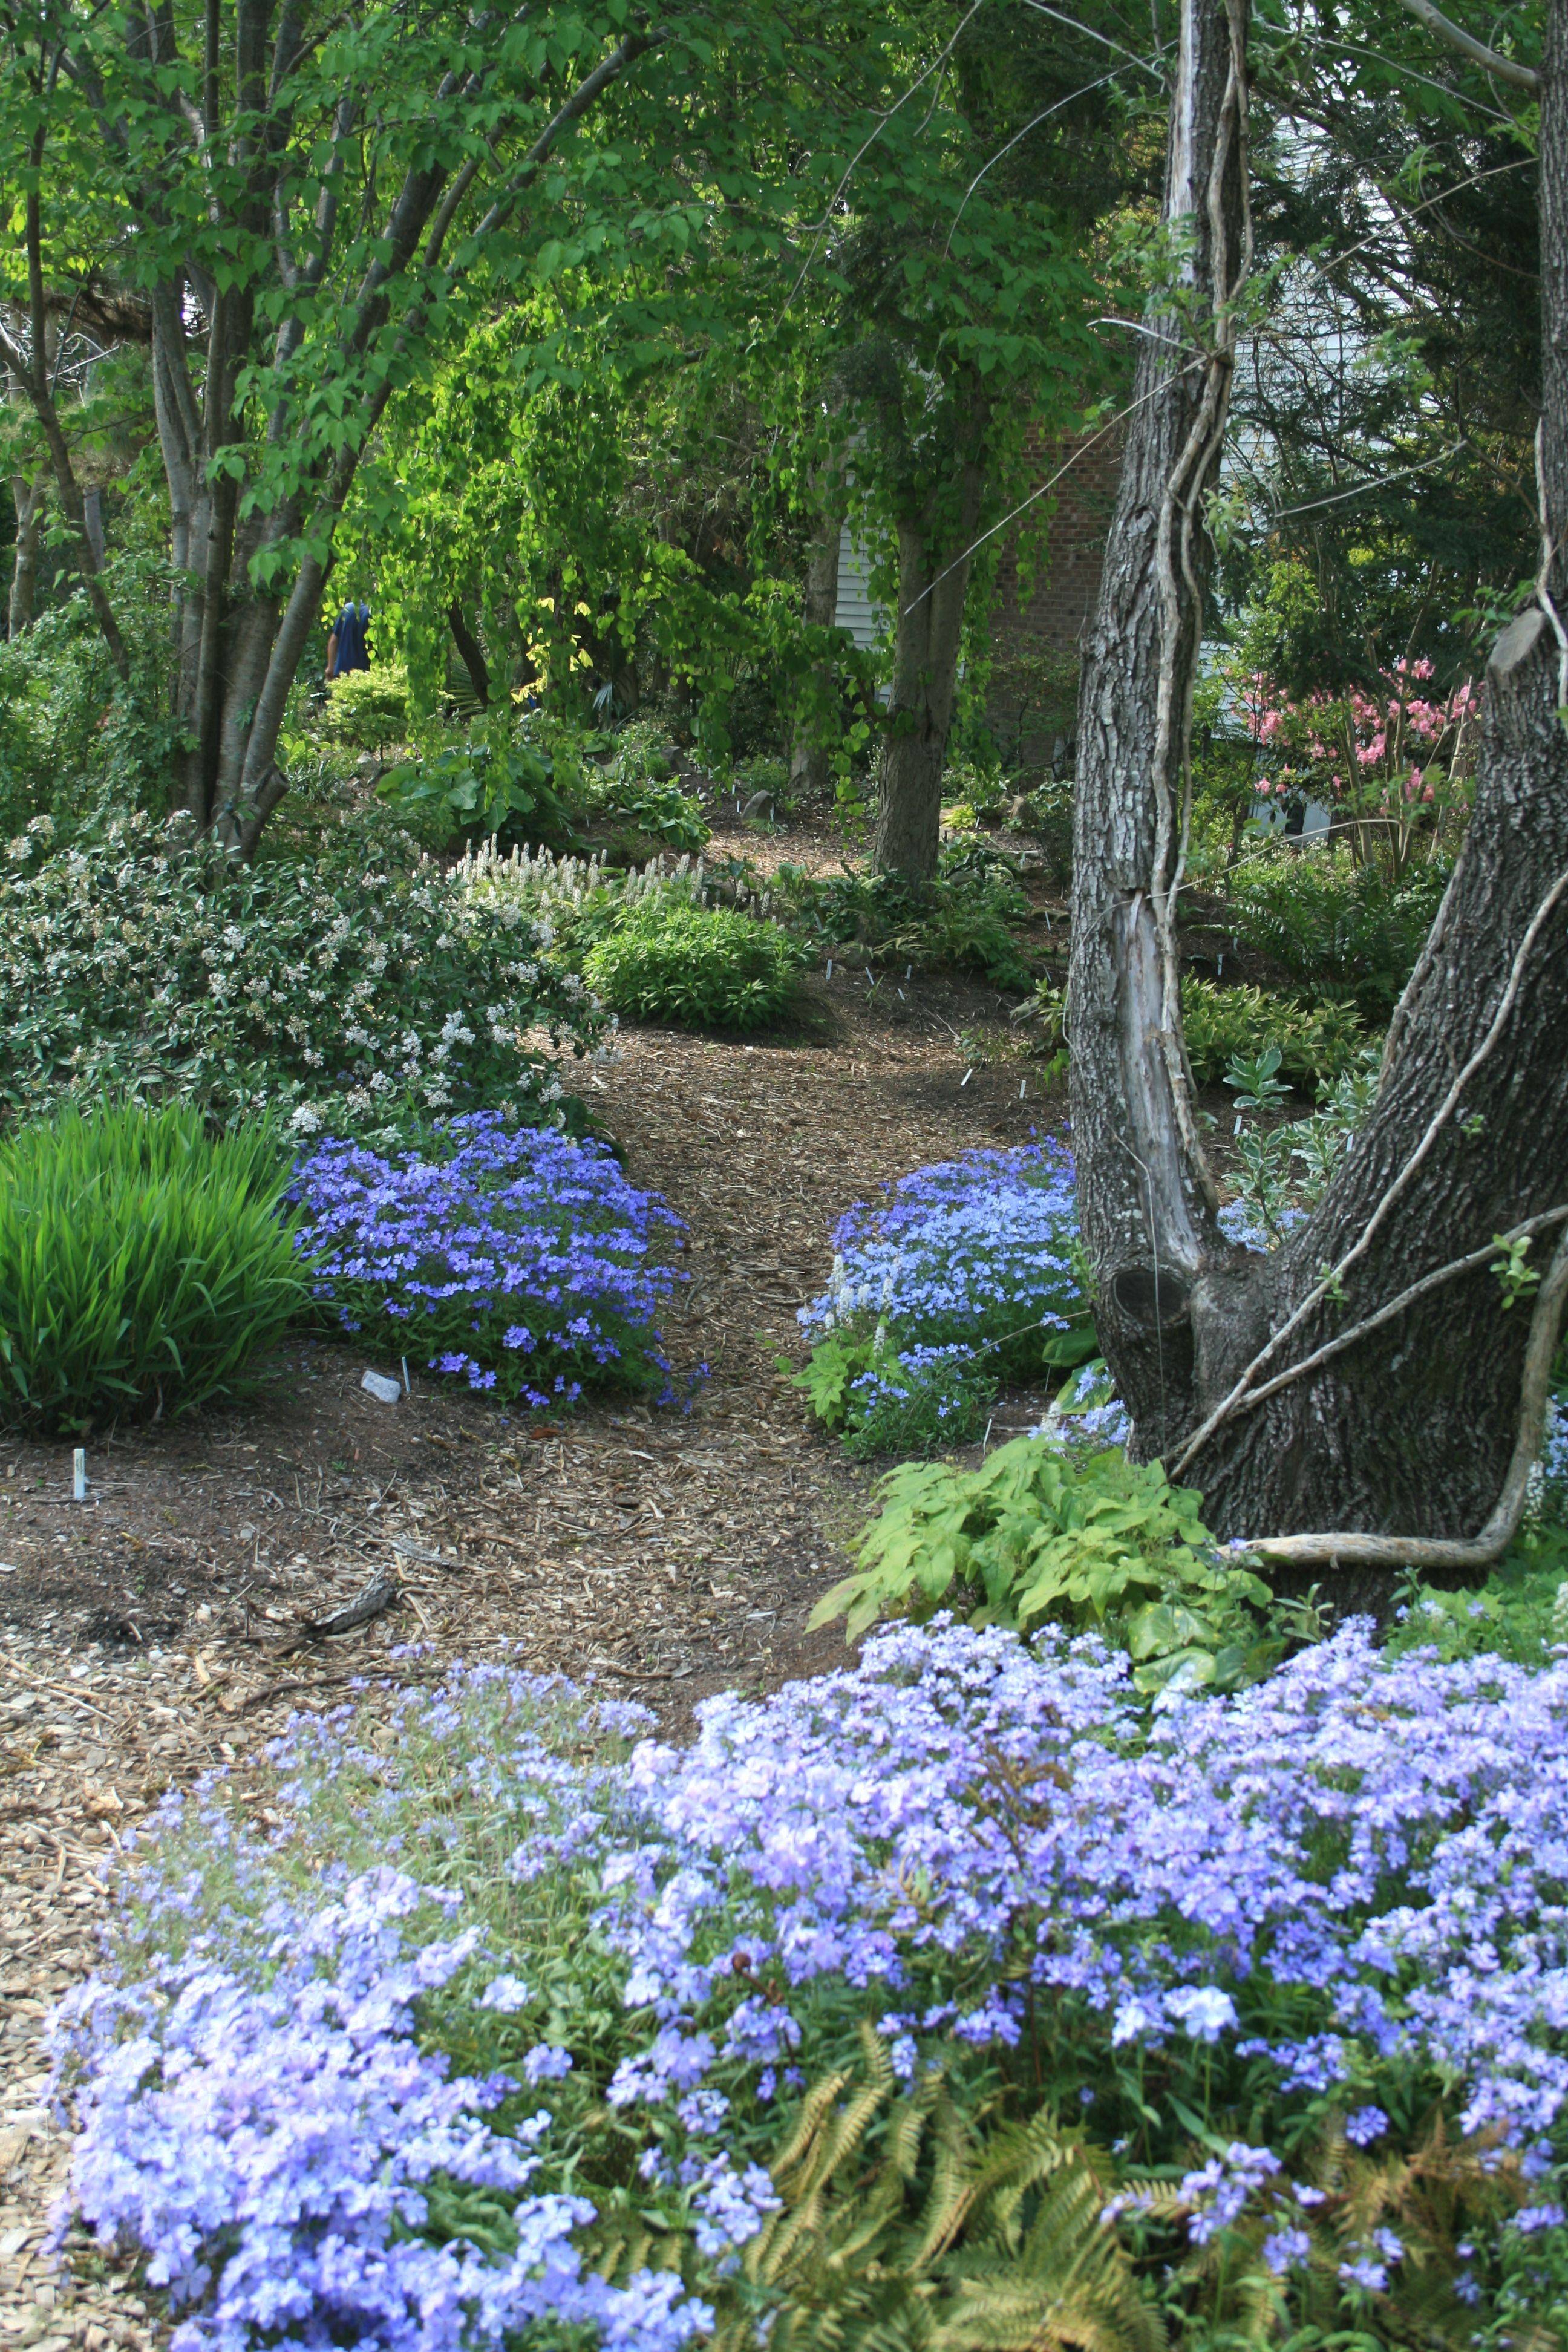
{"x": 343, "y": 996}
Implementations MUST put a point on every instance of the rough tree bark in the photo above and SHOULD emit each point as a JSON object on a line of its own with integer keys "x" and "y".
{"x": 927, "y": 634}
{"x": 1317, "y": 1403}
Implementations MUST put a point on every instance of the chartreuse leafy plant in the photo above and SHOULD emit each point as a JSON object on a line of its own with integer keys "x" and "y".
{"x": 1038, "y": 1536}
{"x": 144, "y": 1264}
{"x": 958, "y": 1999}
{"x": 698, "y": 966}
{"x": 367, "y": 710}
{"x": 1316, "y": 1044}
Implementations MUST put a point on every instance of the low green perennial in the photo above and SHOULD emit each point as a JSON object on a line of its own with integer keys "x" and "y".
{"x": 1315, "y": 1042}
{"x": 696, "y": 967}
{"x": 1038, "y": 1536}
{"x": 144, "y": 1264}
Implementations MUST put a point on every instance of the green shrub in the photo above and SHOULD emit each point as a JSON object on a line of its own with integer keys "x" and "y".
{"x": 1038, "y": 1536}
{"x": 367, "y": 709}
{"x": 965, "y": 921}
{"x": 345, "y": 995}
{"x": 490, "y": 788}
{"x": 698, "y": 966}
{"x": 1315, "y": 1042}
{"x": 74, "y": 737}
{"x": 1334, "y": 928}
{"x": 981, "y": 789}
{"x": 142, "y": 1263}
{"x": 1047, "y": 813}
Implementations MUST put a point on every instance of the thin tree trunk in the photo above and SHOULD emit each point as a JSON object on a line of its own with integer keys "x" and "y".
{"x": 1364, "y": 1390}
{"x": 1145, "y": 1197}
{"x": 927, "y": 637}
{"x": 471, "y": 651}
{"x": 28, "y": 495}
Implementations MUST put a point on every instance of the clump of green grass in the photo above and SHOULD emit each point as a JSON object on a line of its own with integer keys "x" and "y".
{"x": 143, "y": 1264}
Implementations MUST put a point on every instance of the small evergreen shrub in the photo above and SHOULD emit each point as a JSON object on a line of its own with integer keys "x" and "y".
{"x": 696, "y": 967}
{"x": 518, "y": 1261}
{"x": 143, "y": 1264}
{"x": 1317, "y": 1043}
{"x": 344, "y": 995}
{"x": 367, "y": 710}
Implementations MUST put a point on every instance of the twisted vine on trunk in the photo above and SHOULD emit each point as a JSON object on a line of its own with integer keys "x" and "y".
{"x": 1402, "y": 1400}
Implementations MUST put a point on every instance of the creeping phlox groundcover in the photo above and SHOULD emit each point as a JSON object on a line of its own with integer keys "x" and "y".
{"x": 378, "y": 2074}
{"x": 962, "y": 1276}
{"x": 517, "y": 1258}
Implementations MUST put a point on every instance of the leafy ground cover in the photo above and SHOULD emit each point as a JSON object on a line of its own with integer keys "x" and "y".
{"x": 497, "y": 2023}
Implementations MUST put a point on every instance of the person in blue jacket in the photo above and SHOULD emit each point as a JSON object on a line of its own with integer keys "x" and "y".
{"x": 346, "y": 647}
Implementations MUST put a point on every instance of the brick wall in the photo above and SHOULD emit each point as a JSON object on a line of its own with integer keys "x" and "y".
{"x": 1036, "y": 634}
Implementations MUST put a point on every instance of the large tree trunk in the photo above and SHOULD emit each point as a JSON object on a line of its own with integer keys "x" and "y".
{"x": 933, "y": 579}
{"x": 1145, "y": 1197}
{"x": 1362, "y": 1398}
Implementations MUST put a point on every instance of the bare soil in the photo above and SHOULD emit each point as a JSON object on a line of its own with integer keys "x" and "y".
{"x": 163, "y": 1625}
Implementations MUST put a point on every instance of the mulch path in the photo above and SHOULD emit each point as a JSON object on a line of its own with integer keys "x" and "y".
{"x": 159, "y": 1627}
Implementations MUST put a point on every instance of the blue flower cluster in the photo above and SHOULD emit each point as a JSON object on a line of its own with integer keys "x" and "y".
{"x": 1338, "y": 1892}
{"x": 961, "y": 1276}
{"x": 280, "y": 2144}
{"x": 979, "y": 1247}
{"x": 518, "y": 1258}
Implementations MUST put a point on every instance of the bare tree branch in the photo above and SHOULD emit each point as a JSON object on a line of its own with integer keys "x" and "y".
{"x": 1506, "y": 69}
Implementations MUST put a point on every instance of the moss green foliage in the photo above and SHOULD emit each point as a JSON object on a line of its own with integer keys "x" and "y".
{"x": 142, "y": 1263}
{"x": 1223, "y": 1024}
{"x": 1039, "y": 1536}
{"x": 1335, "y": 930}
{"x": 366, "y": 710}
{"x": 347, "y": 995}
{"x": 697, "y": 967}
